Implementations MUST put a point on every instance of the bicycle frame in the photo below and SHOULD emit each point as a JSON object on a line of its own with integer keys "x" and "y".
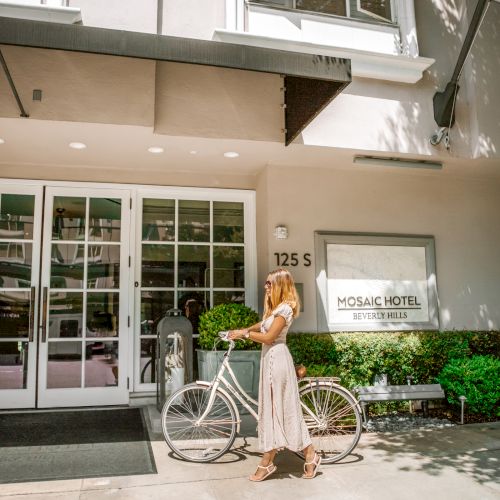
{"x": 239, "y": 393}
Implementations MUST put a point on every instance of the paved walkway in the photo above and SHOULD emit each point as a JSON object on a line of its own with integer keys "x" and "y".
{"x": 456, "y": 463}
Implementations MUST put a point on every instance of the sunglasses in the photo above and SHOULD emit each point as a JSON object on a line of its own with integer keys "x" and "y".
{"x": 267, "y": 283}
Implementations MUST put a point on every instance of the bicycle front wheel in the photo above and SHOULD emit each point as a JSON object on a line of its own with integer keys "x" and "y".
{"x": 335, "y": 428}
{"x": 198, "y": 441}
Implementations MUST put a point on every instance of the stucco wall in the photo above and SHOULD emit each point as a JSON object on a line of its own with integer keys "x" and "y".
{"x": 481, "y": 77}
{"x": 128, "y": 15}
{"x": 193, "y": 18}
{"x": 442, "y": 26}
{"x": 463, "y": 215}
{"x": 377, "y": 115}
{"x": 369, "y": 116}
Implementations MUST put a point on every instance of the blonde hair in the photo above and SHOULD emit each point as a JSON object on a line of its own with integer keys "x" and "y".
{"x": 282, "y": 290}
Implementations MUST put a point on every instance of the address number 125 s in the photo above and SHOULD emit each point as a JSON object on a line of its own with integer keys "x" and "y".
{"x": 292, "y": 259}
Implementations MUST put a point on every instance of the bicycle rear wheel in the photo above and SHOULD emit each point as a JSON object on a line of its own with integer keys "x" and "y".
{"x": 204, "y": 442}
{"x": 339, "y": 427}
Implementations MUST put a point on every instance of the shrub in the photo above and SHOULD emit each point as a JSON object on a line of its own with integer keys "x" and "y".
{"x": 476, "y": 378}
{"x": 322, "y": 371}
{"x": 358, "y": 356}
{"x": 484, "y": 343}
{"x": 310, "y": 349}
{"x": 226, "y": 317}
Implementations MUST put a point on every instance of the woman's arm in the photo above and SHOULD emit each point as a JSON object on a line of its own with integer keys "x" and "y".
{"x": 254, "y": 328}
{"x": 263, "y": 338}
{"x": 243, "y": 331}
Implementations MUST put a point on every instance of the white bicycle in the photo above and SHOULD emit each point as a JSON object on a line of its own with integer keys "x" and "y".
{"x": 201, "y": 420}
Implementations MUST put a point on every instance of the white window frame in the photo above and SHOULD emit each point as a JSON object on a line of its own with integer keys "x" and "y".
{"x": 249, "y": 245}
{"x": 248, "y": 198}
{"x": 383, "y": 50}
{"x": 232, "y": 7}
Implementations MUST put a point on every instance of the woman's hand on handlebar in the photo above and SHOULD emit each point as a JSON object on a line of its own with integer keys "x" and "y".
{"x": 237, "y": 334}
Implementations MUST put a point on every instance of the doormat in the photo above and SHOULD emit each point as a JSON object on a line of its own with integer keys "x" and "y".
{"x": 41, "y": 446}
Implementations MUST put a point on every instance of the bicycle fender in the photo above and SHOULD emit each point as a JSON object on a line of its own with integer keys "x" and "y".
{"x": 229, "y": 398}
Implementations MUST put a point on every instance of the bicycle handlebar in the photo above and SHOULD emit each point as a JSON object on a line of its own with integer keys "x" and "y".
{"x": 225, "y": 337}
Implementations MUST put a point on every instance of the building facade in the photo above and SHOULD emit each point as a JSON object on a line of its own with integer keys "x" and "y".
{"x": 145, "y": 178}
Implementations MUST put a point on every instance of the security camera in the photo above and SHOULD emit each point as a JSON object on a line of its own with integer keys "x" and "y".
{"x": 437, "y": 137}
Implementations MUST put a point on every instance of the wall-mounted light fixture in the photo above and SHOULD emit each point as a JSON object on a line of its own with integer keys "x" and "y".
{"x": 281, "y": 232}
{"x": 397, "y": 162}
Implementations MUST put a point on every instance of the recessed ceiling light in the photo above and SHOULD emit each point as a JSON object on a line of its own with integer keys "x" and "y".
{"x": 2, "y": 141}
{"x": 231, "y": 154}
{"x": 155, "y": 150}
{"x": 77, "y": 145}
{"x": 193, "y": 152}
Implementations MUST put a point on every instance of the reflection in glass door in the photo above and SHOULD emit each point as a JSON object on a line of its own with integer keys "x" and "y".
{"x": 84, "y": 318}
{"x": 20, "y": 223}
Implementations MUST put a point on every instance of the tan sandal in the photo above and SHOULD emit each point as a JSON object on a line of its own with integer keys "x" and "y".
{"x": 270, "y": 469}
{"x": 316, "y": 462}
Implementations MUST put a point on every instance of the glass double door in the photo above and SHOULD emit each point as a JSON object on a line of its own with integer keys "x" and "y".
{"x": 64, "y": 287}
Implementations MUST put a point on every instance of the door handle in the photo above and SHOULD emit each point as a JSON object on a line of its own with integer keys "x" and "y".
{"x": 44, "y": 314}
{"x": 32, "y": 315}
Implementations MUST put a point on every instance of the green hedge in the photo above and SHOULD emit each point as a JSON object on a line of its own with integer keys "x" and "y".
{"x": 476, "y": 378}
{"x": 357, "y": 357}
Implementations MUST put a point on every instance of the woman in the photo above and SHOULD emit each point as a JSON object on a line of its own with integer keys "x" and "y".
{"x": 281, "y": 423}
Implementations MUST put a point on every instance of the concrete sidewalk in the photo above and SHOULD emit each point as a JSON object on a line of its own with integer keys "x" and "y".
{"x": 462, "y": 462}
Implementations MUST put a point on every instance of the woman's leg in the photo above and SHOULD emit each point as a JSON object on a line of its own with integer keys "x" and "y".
{"x": 266, "y": 460}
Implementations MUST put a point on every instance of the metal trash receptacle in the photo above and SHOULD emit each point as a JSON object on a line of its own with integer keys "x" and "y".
{"x": 174, "y": 338}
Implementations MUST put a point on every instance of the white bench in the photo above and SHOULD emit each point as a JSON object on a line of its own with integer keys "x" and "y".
{"x": 378, "y": 393}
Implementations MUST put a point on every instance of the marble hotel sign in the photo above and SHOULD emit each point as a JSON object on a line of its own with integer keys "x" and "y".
{"x": 370, "y": 282}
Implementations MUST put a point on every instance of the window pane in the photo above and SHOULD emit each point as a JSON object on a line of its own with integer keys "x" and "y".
{"x": 229, "y": 267}
{"x": 14, "y": 314}
{"x": 193, "y": 303}
{"x": 336, "y": 7}
{"x": 158, "y": 265}
{"x": 154, "y": 305}
{"x": 105, "y": 219}
{"x": 147, "y": 362}
{"x": 16, "y": 216}
{"x": 13, "y": 365}
{"x": 379, "y": 8}
{"x": 64, "y": 368}
{"x": 281, "y": 3}
{"x": 103, "y": 266}
{"x": 101, "y": 364}
{"x": 15, "y": 265}
{"x": 229, "y": 297}
{"x": 65, "y": 314}
{"x": 193, "y": 266}
{"x": 66, "y": 267}
{"x": 194, "y": 220}
{"x": 68, "y": 218}
{"x": 103, "y": 313}
{"x": 158, "y": 220}
{"x": 228, "y": 222}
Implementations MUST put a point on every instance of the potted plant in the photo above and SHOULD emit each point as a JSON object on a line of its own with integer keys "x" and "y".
{"x": 245, "y": 359}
